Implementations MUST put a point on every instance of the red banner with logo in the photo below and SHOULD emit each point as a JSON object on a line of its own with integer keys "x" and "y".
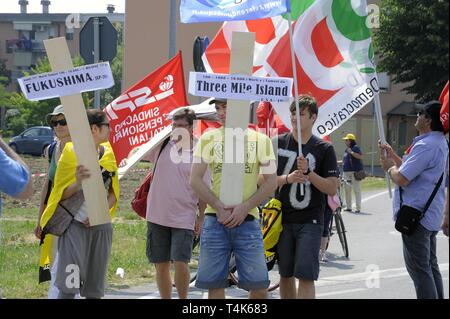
{"x": 141, "y": 112}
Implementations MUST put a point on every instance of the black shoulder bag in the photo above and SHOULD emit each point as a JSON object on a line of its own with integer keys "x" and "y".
{"x": 408, "y": 217}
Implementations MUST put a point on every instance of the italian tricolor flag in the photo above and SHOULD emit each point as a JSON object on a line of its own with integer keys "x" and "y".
{"x": 333, "y": 54}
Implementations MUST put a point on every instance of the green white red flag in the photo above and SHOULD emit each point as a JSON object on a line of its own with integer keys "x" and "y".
{"x": 333, "y": 54}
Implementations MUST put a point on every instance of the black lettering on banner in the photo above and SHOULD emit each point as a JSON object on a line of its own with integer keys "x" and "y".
{"x": 362, "y": 99}
{"x": 321, "y": 129}
{"x": 374, "y": 85}
{"x": 356, "y": 104}
{"x": 353, "y": 109}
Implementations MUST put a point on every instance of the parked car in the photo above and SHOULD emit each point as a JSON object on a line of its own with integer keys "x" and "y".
{"x": 33, "y": 140}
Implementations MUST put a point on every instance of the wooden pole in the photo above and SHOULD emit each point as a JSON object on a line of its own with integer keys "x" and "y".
{"x": 80, "y": 132}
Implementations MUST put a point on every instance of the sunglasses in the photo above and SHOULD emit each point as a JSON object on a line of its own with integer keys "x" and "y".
{"x": 55, "y": 123}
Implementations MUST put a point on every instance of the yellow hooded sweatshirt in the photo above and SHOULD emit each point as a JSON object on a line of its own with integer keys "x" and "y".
{"x": 64, "y": 177}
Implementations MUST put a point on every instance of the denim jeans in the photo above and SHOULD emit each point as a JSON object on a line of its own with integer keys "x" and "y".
{"x": 216, "y": 244}
{"x": 419, "y": 251}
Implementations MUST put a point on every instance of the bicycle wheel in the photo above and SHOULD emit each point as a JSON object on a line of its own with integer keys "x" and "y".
{"x": 340, "y": 229}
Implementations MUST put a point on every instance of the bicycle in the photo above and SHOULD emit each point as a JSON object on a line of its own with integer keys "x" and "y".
{"x": 339, "y": 222}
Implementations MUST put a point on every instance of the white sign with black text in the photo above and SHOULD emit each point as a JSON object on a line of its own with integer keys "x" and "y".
{"x": 85, "y": 78}
{"x": 240, "y": 87}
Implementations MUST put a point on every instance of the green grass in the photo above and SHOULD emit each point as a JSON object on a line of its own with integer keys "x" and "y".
{"x": 373, "y": 183}
{"x": 19, "y": 254}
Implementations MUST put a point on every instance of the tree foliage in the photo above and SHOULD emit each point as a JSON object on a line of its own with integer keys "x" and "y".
{"x": 412, "y": 43}
{"x": 33, "y": 113}
{"x": 5, "y": 74}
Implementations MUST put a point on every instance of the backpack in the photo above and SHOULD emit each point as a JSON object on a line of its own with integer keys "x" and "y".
{"x": 139, "y": 202}
{"x": 271, "y": 227}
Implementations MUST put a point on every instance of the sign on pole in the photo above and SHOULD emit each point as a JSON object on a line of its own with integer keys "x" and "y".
{"x": 80, "y": 131}
{"x": 56, "y": 84}
{"x": 241, "y": 62}
{"x": 240, "y": 87}
{"x": 98, "y": 42}
{"x": 107, "y": 35}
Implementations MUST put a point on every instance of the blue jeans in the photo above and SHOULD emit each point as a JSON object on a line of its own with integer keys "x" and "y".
{"x": 216, "y": 244}
{"x": 419, "y": 251}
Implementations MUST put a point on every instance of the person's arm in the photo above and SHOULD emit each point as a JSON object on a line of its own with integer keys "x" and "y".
{"x": 81, "y": 174}
{"x": 11, "y": 154}
{"x": 356, "y": 155}
{"x": 112, "y": 200}
{"x": 200, "y": 217}
{"x": 266, "y": 189}
{"x": 387, "y": 151}
{"x": 327, "y": 184}
{"x": 294, "y": 177}
{"x": 38, "y": 229}
{"x": 202, "y": 190}
{"x": 394, "y": 173}
{"x": 18, "y": 165}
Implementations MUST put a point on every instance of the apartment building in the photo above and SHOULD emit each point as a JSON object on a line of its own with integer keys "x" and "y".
{"x": 22, "y": 35}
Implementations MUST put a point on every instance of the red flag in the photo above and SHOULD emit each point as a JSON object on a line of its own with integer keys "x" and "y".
{"x": 268, "y": 121}
{"x": 444, "y": 109}
{"x": 139, "y": 113}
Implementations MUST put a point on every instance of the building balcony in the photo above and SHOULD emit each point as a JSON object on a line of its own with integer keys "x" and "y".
{"x": 22, "y": 58}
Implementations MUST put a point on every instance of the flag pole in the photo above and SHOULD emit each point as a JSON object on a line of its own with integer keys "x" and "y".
{"x": 382, "y": 135}
{"x": 297, "y": 107}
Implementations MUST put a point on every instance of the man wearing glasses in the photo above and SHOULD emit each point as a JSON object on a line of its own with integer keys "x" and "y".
{"x": 417, "y": 174}
{"x": 172, "y": 207}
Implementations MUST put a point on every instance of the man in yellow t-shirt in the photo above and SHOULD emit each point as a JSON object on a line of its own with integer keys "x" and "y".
{"x": 234, "y": 229}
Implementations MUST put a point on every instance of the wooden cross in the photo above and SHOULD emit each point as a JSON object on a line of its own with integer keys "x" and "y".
{"x": 231, "y": 188}
{"x": 80, "y": 132}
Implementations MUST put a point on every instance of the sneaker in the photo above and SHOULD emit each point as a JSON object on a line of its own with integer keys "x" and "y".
{"x": 357, "y": 211}
{"x": 347, "y": 210}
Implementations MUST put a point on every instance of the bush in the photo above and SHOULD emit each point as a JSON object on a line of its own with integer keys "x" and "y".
{"x": 16, "y": 125}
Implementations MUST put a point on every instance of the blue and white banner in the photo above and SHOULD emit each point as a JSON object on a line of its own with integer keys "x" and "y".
{"x": 192, "y": 11}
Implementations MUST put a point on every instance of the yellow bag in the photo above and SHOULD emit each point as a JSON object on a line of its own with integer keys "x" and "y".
{"x": 271, "y": 227}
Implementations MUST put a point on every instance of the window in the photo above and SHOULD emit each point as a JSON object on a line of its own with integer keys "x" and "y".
{"x": 45, "y": 132}
{"x": 34, "y": 132}
{"x": 402, "y": 132}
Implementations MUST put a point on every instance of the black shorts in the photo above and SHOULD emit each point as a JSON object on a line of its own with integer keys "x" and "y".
{"x": 168, "y": 244}
{"x": 298, "y": 251}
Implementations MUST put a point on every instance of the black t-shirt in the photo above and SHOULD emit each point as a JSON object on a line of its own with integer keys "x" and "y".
{"x": 322, "y": 160}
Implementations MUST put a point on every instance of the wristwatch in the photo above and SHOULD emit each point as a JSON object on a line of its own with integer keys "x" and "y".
{"x": 307, "y": 172}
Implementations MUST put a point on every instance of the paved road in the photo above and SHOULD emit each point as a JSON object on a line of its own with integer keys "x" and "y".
{"x": 374, "y": 269}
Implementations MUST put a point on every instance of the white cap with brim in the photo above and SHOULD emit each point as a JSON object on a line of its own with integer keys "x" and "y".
{"x": 59, "y": 110}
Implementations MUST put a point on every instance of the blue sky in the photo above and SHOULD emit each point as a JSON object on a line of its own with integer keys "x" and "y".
{"x": 64, "y": 6}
